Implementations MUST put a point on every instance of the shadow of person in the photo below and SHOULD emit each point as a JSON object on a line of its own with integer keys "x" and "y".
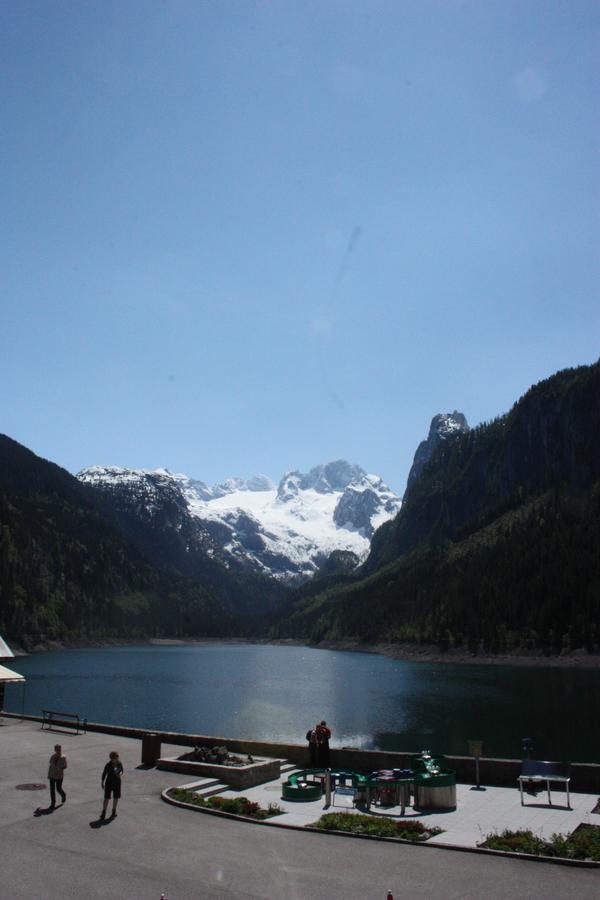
{"x": 44, "y": 811}
{"x": 98, "y": 823}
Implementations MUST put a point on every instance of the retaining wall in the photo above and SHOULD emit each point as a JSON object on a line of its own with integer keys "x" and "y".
{"x": 585, "y": 777}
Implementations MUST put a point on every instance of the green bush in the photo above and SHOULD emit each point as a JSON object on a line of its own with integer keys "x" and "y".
{"x": 377, "y": 826}
{"x": 583, "y": 843}
{"x": 240, "y": 806}
{"x": 517, "y": 842}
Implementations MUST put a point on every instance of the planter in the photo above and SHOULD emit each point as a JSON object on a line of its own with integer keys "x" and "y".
{"x": 236, "y": 777}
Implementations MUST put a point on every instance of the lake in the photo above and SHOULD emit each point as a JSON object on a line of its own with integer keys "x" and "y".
{"x": 272, "y": 692}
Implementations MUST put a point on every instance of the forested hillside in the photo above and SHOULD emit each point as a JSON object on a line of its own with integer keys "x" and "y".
{"x": 66, "y": 571}
{"x": 497, "y": 544}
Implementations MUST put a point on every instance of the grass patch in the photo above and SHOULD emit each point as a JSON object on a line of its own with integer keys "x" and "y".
{"x": 583, "y": 843}
{"x": 377, "y": 826}
{"x": 240, "y": 806}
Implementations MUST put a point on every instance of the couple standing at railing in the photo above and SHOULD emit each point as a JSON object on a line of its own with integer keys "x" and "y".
{"x": 318, "y": 745}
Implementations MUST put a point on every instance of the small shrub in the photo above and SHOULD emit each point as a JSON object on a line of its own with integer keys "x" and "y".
{"x": 378, "y": 826}
{"x": 416, "y": 831}
{"x": 583, "y": 843}
{"x": 186, "y": 797}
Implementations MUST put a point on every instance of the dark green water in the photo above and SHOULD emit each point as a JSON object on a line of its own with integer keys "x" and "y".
{"x": 276, "y": 693}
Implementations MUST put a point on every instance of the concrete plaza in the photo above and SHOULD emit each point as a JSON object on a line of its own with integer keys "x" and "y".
{"x": 153, "y": 848}
{"x": 478, "y": 813}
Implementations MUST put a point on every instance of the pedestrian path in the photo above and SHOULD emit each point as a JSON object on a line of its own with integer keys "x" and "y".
{"x": 154, "y": 847}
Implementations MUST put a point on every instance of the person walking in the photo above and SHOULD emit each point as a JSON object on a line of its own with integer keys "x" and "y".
{"x": 56, "y": 772}
{"x": 111, "y": 782}
{"x": 323, "y": 735}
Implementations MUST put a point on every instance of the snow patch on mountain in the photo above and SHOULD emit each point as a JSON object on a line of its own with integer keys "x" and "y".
{"x": 287, "y": 530}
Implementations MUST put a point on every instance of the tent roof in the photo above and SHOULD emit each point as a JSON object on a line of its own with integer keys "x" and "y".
{"x": 9, "y": 675}
{"x": 5, "y": 650}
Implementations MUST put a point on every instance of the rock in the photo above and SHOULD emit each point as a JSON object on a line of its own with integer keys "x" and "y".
{"x": 443, "y": 427}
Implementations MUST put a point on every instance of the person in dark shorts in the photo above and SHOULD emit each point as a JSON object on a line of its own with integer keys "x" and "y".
{"x": 56, "y": 771}
{"x": 111, "y": 782}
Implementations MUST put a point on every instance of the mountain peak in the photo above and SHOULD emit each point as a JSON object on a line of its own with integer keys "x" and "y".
{"x": 324, "y": 479}
{"x": 444, "y": 426}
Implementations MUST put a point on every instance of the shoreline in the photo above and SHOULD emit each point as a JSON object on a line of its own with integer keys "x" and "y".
{"x": 423, "y": 653}
{"x": 429, "y": 653}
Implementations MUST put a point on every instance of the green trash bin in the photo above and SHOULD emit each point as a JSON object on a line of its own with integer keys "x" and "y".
{"x": 435, "y": 791}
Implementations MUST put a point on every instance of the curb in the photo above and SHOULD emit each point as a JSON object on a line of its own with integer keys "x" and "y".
{"x": 529, "y": 857}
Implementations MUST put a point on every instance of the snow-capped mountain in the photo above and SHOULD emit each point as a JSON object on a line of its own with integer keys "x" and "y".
{"x": 286, "y": 530}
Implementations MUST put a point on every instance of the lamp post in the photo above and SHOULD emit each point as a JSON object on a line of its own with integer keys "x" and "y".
{"x": 327, "y": 788}
{"x": 475, "y": 749}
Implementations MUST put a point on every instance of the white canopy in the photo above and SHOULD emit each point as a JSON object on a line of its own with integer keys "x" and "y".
{"x": 5, "y": 650}
{"x": 9, "y": 675}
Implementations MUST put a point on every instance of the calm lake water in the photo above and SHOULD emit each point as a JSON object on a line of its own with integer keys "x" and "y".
{"x": 277, "y": 692}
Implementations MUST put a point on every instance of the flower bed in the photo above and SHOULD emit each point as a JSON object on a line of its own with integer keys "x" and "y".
{"x": 215, "y": 756}
{"x": 240, "y": 806}
{"x": 583, "y": 843}
{"x": 377, "y": 826}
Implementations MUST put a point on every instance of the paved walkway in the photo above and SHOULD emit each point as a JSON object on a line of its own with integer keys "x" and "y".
{"x": 153, "y": 847}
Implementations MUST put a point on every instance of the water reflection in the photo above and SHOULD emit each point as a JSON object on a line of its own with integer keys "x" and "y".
{"x": 276, "y": 693}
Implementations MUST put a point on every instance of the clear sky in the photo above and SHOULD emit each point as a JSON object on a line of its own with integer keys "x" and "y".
{"x": 245, "y": 237}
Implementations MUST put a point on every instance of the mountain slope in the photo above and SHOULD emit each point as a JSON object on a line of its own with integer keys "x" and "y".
{"x": 496, "y": 545}
{"x": 152, "y": 511}
{"x": 68, "y": 572}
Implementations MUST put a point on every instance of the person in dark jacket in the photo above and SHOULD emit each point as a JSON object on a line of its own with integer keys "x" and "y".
{"x": 311, "y": 737}
{"x": 111, "y": 782}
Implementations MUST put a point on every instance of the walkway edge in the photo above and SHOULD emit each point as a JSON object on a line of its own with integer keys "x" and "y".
{"x": 530, "y": 857}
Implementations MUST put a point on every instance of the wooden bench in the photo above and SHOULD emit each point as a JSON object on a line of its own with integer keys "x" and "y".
{"x": 52, "y": 717}
{"x": 541, "y": 770}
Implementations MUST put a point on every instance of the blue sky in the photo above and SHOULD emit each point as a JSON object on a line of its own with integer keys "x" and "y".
{"x": 246, "y": 237}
